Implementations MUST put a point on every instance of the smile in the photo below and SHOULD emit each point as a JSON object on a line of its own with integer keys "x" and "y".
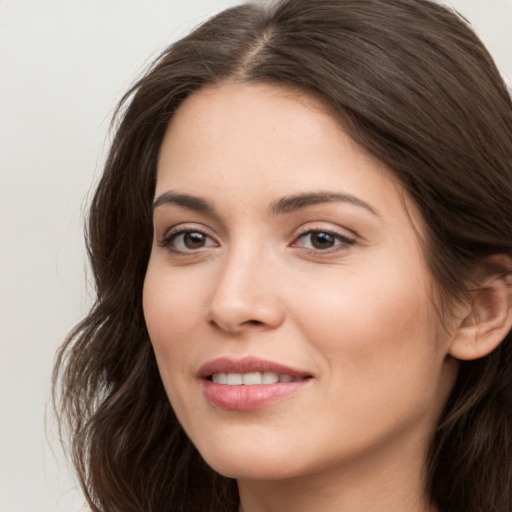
{"x": 249, "y": 383}
{"x": 252, "y": 378}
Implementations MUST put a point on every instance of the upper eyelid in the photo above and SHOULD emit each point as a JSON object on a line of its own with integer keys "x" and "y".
{"x": 167, "y": 241}
{"x": 349, "y": 240}
{"x": 305, "y": 228}
{"x": 184, "y": 227}
{"x": 334, "y": 230}
{"x": 172, "y": 233}
{"x": 163, "y": 225}
{"x": 328, "y": 231}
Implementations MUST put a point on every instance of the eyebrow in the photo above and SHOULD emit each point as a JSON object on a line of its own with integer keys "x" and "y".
{"x": 298, "y": 202}
{"x": 184, "y": 200}
{"x": 282, "y": 206}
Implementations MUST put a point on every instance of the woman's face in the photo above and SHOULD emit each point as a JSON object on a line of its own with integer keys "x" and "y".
{"x": 287, "y": 297}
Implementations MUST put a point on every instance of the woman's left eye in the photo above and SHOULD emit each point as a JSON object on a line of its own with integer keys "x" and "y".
{"x": 320, "y": 240}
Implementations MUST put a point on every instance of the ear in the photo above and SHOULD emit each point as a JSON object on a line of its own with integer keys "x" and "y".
{"x": 489, "y": 316}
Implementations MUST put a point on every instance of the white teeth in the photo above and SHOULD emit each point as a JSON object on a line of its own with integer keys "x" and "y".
{"x": 270, "y": 378}
{"x": 251, "y": 379}
{"x": 220, "y": 378}
{"x": 235, "y": 379}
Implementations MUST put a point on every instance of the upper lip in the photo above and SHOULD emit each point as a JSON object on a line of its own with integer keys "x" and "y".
{"x": 247, "y": 365}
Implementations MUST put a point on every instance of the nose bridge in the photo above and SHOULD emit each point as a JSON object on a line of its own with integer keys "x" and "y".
{"x": 245, "y": 294}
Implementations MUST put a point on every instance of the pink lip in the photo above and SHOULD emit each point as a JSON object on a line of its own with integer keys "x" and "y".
{"x": 247, "y": 365}
{"x": 248, "y": 397}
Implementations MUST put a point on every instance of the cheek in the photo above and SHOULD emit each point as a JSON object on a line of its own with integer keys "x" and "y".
{"x": 171, "y": 299}
{"x": 171, "y": 309}
{"x": 384, "y": 363}
{"x": 373, "y": 326}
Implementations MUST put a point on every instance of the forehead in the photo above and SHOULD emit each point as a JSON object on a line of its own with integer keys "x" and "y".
{"x": 254, "y": 121}
{"x": 253, "y": 113}
{"x": 233, "y": 140}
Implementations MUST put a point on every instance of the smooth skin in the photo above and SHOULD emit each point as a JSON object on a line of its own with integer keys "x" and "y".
{"x": 333, "y": 283}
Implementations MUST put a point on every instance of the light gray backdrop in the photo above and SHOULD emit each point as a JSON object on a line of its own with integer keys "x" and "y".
{"x": 63, "y": 66}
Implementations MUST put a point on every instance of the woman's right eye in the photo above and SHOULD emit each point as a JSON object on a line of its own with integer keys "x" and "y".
{"x": 187, "y": 240}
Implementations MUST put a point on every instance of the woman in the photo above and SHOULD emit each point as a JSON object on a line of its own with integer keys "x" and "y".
{"x": 302, "y": 251}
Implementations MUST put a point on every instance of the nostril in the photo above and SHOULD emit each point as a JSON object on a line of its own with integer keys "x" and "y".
{"x": 233, "y": 315}
{"x": 253, "y": 322}
{"x": 247, "y": 324}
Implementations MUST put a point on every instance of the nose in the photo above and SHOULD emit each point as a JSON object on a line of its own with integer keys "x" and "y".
{"x": 246, "y": 295}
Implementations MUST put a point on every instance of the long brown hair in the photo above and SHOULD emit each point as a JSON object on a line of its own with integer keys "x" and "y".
{"x": 416, "y": 88}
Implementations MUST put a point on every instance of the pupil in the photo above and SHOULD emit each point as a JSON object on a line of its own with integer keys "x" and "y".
{"x": 322, "y": 240}
{"x": 194, "y": 240}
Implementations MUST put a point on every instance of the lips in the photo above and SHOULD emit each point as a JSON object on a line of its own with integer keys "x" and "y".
{"x": 251, "y": 378}
{"x": 247, "y": 365}
{"x": 249, "y": 383}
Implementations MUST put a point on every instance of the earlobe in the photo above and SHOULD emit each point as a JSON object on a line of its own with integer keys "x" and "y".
{"x": 490, "y": 314}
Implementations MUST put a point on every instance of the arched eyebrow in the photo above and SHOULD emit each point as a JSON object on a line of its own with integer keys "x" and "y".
{"x": 282, "y": 206}
{"x": 185, "y": 201}
{"x": 297, "y": 202}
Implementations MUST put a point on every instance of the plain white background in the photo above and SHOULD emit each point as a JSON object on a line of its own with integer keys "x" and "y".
{"x": 63, "y": 66}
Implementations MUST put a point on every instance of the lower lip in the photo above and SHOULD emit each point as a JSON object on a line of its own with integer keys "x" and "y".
{"x": 243, "y": 398}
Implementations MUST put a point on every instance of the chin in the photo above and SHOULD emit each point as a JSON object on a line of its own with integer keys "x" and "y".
{"x": 264, "y": 471}
{"x": 255, "y": 464}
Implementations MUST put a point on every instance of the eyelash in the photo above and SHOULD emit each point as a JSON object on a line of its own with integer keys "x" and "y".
{"x": 170, "y": 237}
{"x": 343, "y": 241}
